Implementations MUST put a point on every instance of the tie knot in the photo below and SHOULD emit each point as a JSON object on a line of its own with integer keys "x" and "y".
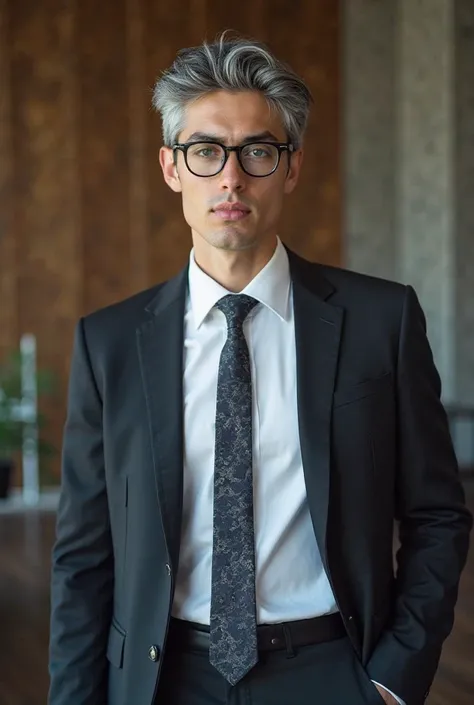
{"x": 236, "y": 308}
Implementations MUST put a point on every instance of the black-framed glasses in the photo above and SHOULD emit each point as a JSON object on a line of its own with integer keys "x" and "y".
{"x": 256, "y": 158}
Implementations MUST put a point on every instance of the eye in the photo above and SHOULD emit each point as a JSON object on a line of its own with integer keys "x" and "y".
{"x": 259, "y": 151}
{"x": 205, "y": 151}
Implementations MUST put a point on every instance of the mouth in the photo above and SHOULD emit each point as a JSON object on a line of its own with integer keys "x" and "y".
{"x": 231, "y": 211}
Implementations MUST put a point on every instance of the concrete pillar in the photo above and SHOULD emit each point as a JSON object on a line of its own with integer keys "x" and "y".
{"x": 408, "y": 133}
{"x": 369, "y": 136}
{"x": 425, "y": 195}
{"x": 464, "y": 200}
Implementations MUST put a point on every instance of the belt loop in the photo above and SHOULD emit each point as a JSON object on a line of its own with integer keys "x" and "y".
{"x": 290, "y": 652}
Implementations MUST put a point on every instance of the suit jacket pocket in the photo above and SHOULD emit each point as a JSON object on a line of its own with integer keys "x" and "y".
{"x": 347, "y": 395}
{"x": 115, "y": 645}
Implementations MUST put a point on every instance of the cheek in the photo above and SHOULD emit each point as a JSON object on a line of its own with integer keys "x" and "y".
{"x": 194, "y": 202}
{"x": 270, "y": 201}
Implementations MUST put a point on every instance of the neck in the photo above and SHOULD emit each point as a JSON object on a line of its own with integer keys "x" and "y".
{"x": 233, "y": 269}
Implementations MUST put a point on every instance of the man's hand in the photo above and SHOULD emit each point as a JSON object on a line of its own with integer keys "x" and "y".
{"x": 387, "y": 698}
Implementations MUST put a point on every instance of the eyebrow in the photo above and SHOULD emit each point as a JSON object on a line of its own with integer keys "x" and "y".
{"x": 207, "y": 137}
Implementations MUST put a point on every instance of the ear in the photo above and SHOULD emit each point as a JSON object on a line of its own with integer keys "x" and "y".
{"x": 294, "y": 170}
{"x": 170, "y": 171}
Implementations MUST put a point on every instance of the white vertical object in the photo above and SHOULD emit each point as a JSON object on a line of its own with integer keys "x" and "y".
{"x": 29, "y": 407}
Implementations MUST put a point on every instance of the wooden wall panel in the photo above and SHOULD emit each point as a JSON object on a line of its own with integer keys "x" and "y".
{"x": 251, "y": 19}
{"x": 8, "y": 311}
{"x": 139, "y": 108}
{"x": 307, "y": 36}
{"x": 169, "y": 236}
{"x": 45, "y": 197}
{"x": 104, "y": 150}
{"x": 85, "y": 217}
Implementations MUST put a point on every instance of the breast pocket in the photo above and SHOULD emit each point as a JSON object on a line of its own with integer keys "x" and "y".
{"x": 363, "y": 441}
{"x": 370, "y": 387}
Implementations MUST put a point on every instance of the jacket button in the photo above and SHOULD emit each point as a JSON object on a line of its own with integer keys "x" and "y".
{"x": 153, "y": 653}
{"x": 168, "y": 568}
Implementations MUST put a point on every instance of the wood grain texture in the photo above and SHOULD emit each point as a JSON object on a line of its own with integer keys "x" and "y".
{"x": 85, "y": 216}
{"x": 138, "y": 109}
{"x": 307, "y": 36}
{"x": 24, "y": 616}
{"x": 8, "y": 280}
{"x": 104, "y": 151}
{"x": 45, "y": 193}
{"x": 169, "y": 236}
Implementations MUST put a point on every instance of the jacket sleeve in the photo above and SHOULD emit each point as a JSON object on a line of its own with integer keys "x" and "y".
{"x": 434, "y": 523}
{"x": 82, "y": 561}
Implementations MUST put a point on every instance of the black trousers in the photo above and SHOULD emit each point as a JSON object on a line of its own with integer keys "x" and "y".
{"x": 328, "y": 673}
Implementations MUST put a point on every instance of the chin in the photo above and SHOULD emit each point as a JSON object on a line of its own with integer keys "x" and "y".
{"x": 231, "y": 238}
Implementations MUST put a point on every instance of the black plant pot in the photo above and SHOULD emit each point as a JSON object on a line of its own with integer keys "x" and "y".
{"x": 6, "y": 473}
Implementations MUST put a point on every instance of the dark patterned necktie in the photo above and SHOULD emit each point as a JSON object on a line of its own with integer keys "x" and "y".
{"x": 233, "y": 629}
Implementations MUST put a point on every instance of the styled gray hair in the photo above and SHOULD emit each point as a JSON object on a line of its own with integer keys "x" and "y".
{"x": 231, "y": 65}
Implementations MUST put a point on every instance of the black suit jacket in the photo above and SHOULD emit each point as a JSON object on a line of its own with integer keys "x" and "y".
{"x": 375, "y": 446}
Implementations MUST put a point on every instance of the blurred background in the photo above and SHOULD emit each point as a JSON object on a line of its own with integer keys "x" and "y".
{"x": 86, "y": 220}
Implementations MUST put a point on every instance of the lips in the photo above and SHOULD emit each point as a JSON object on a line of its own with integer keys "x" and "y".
{"x": 234, "y": 214}
{"x": 229, "y": 207}
{"x": 231, "y": 211}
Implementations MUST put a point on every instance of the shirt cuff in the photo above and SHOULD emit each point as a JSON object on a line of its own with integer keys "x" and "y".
{"x": 399, "y": 700}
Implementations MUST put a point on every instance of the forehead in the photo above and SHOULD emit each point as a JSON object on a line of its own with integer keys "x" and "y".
{"x": 232, "y": 116}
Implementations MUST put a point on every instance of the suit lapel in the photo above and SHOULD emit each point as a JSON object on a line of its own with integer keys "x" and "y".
{"x": 160, "y": 348}
{"x": 318, "y": 328}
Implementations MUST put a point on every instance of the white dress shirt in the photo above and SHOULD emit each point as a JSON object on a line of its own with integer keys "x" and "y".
{"x": 291, "y": 582}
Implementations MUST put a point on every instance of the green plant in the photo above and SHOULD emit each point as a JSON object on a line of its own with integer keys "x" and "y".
{"x": 11, "y": 425}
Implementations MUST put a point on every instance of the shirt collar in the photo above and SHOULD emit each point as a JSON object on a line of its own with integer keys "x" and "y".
{"x": 271, "y": 286}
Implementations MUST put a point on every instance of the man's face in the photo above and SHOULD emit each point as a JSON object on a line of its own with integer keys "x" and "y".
{"x": 232, "y": 119}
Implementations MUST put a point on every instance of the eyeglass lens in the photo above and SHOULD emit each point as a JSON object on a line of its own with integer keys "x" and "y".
{"x": 206, "y": 158}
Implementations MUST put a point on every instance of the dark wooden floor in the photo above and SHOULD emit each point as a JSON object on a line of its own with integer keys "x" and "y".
{"x": 25, "y": 545}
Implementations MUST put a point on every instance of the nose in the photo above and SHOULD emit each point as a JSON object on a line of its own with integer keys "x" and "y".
{"x": 232, "y": 177}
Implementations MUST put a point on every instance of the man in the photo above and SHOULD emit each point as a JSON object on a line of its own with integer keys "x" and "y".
{"x": 240, "y": 441}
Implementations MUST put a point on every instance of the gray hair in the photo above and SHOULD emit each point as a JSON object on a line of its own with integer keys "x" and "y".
{"x": 231, "y": 65}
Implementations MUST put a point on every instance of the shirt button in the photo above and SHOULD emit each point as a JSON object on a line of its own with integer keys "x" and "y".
{"x": 153, "y": 653}
{"x": 168, "y": 568}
